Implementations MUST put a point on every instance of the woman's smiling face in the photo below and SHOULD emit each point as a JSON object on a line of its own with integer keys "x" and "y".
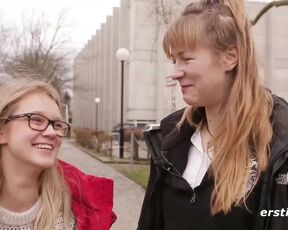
{"x": 20, "y": 145}
{"x": 202, "y": 76}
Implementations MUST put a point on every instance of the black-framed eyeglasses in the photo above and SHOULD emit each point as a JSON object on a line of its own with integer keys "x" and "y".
{"x": 40, "y": 123}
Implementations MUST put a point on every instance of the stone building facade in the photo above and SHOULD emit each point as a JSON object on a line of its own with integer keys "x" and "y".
{"x": 139, "y": 25}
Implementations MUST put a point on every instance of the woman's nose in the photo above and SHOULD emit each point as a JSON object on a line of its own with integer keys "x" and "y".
{"x": 177, "y": 75}
{"x": 49, "y": 131}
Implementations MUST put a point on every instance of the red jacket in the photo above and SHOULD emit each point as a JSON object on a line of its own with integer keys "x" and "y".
{"x": 92, "y": 199}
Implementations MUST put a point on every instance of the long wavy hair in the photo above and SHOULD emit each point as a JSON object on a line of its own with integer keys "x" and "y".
{"x": 245, "y": 130}
{"x": 53, "y": 190}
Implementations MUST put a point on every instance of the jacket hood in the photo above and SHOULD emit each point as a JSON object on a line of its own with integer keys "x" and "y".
{"x": 279, "y": 119}
{"x": 92, "y": 198}
{"x": 172, "y": 135}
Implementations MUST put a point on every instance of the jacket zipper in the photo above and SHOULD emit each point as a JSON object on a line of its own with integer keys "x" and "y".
{"x": 177, "y": 174}
{"x": 193, "y": 198}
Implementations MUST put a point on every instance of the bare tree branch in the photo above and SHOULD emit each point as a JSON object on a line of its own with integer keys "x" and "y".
{"x": 267, "y": 7}
{"x": 40, "y": 50}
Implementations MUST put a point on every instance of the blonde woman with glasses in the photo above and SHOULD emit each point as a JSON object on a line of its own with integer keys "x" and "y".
{"x": 223, "y": 163}
{"x": 37, "y": 190}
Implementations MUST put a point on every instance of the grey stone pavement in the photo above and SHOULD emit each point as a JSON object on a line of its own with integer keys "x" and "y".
{"x": 128, "y": 196}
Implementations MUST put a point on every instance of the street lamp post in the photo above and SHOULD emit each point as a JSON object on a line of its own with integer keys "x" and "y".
{"x": 172, "y": 83}
{"x": 122, "y": 55}
{"x": 97, "y": 101}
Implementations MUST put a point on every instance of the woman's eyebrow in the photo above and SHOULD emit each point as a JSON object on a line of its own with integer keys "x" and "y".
{"x": 53, "y": 118}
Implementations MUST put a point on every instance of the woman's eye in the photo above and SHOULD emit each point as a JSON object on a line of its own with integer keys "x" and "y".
{"x": 173, "y": 61}
{"x": 36, "y": 119}
{"x": 188, "y": 59}
{"x": 58, "y": 126}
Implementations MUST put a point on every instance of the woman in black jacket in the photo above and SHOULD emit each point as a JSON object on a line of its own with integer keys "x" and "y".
{"x": 222, "y": 163}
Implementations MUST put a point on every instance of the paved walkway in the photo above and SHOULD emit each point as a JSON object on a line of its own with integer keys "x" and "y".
{"x": 128, "y": 196}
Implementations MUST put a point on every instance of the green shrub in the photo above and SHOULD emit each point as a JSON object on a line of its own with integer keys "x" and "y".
{"x": 138, "y": 133}
{"x": 92, "y": 139}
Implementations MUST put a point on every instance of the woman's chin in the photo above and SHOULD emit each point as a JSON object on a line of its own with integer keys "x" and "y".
{"x": 190, "y": 100}
{"x": 44, "y": 163}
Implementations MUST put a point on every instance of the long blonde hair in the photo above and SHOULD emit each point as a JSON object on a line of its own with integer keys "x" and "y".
{"x": 245, "y": 131}
{"x": 54, "y": 193}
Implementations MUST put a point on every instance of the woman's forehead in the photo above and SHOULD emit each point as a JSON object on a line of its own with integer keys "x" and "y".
{"x": 38, "y": 101}
{"x": 180, "y": 50}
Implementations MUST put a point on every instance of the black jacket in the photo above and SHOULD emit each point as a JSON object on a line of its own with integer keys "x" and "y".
{"x": 274, "y": 183}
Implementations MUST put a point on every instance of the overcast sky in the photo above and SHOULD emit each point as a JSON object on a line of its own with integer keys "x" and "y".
{"x": 83, "y": 16}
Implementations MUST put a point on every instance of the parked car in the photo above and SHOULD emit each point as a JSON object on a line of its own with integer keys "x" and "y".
{"x": 149, "y": 127}
{"x": 126, "y": 126}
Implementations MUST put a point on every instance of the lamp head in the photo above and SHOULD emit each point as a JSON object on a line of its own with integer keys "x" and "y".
{"x": 122, "y": 54}
{"x": 97, "y": 100}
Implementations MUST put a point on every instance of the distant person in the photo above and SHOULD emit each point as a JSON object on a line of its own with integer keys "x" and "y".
{"x": 223, "y": 160}
{"x": 37, "y": 190}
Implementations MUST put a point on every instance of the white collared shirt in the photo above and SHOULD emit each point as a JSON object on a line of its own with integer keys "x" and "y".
{"x": 198, "y": 161}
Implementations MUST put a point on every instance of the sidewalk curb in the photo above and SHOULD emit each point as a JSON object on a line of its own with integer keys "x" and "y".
{"x": 110, "y": 168}
{"x": 109, "y": 160}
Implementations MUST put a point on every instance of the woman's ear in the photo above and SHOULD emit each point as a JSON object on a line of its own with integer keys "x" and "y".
{"x": 230, "y": 58}
{"x": 2, "y": 137}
